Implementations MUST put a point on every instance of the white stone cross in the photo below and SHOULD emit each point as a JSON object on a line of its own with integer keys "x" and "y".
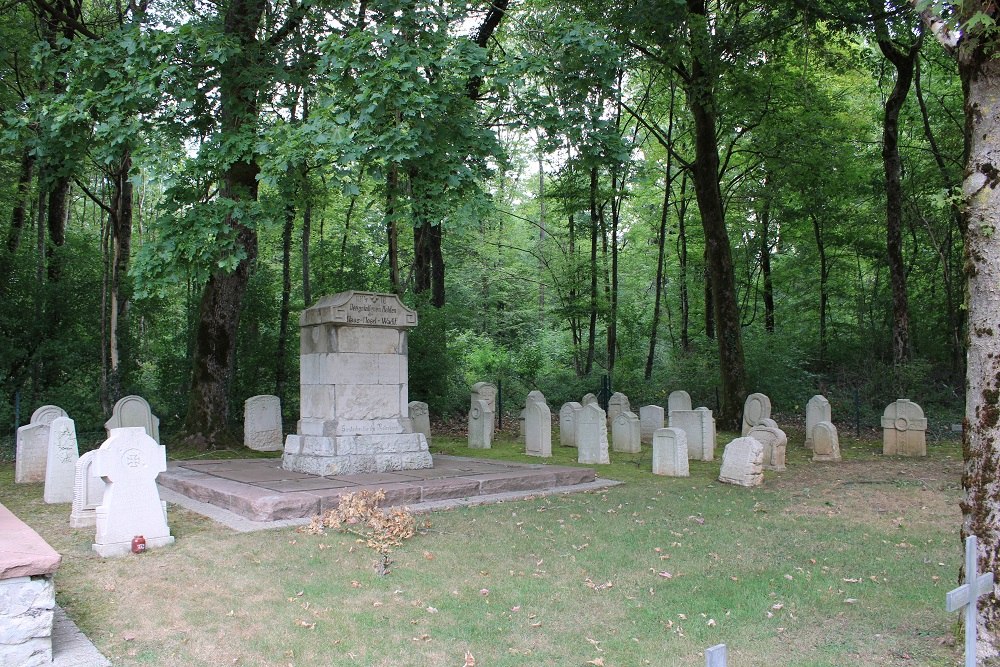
{"x": 966, "y": 595}
{"x": 716, "y": 656}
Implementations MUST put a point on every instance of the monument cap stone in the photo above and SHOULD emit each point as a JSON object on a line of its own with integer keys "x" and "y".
{"x": 366, "y": 309}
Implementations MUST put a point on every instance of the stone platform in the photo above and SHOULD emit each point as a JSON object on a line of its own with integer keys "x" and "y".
{"x": 261, "y": 490}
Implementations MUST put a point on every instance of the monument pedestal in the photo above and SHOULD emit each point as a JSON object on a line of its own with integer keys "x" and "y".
{"x": 354, "y": 381}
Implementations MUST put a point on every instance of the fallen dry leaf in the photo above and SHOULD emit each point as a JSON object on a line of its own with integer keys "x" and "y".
{"x": 597, "y": 662}
{"x": 470, "y": 661}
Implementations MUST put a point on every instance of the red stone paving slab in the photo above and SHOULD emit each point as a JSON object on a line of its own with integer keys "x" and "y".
{"x": 23, "y": 552}
{"x": 376, "y": 478}
{"x": 395, "y": 494}
{"x": 329, "y": 499}
{"x": 447, "y": 489}
{"x": 503, "y": 482}
{"x": 313, "y": 483}
{"x": 259, "y": 504}
{"x": 260, "y": 475}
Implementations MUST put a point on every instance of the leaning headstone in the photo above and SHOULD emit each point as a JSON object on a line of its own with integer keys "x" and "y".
{"x": 617, "y": 404}
{"x": 480, "y": 426}
{"x": 592, "y": 435}
{"x": 817, "y": 410}
{"x": 354, "y": 389}
{"x": 625, "y": 436}
{"x": 262, "y": 424}
{"x": 826, "y": 445}
{"x": 60, "y": 467}
{"x": 756, "y": 408}
{"x": 420, "y": 415}
{"x": 743, "y": 463}
{"x": 775, "y": 443}
{"x": 670, "y": 455}
{"x": 485, "y": 391}
{"x": 33, "y": 445}
{"x": 699, "y": 426}
{"x": 134, "y": 411}
{"x": 650, "y": 419}
{"x": 88, "y": 492}
{"x": 537, "y": 426}
{"x": 588, "y": 399}
{"x": 678, "y": 400}
{"x": 567, "y": 423}
{"x": 904, "y": 429}
{"x": 129, "y": 461}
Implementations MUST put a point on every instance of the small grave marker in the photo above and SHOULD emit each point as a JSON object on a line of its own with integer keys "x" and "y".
{"x": 966, "y": 595}
{"x": 716, "y": 656}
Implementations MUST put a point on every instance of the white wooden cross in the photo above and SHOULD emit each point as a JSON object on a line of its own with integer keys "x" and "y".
{"x": 716, "y": 656}
{"x": 966, "y": 595}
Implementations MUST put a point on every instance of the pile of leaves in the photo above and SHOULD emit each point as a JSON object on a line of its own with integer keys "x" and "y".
{"x": 360, "y": 514}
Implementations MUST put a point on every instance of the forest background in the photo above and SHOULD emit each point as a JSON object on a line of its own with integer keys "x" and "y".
{"x": 720, "y": 197}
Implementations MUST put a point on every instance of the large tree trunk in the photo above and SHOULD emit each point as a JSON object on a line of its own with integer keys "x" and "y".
{"x": 682, "y": 266}
{"x": 594, "y": 231}
{"x": 824, "y": 297}
{"x": 206, "y": 424}
{"x": 705, "y": 172}
{"x": 19, "y": 213}
{"x": 903, "y": 62}
{"x": 765, "y": 266}
{"x": 121, "y": 236}
{"x": 658, "y": 294}
{"x": 980, "y": 73}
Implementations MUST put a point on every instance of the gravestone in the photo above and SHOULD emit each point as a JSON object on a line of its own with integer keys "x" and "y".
{"x": 826, "y": 445}
{"x": 775, "y": 443}
{"x": 650, "y": 419}
{"x": 262, "y": 424}
{"x": 567, "y": 423}
{"x": 767, "y": 421}
{"x": 537, "y": 426}
{"x": 670, "y": 455}
{"x": 699, "y": 427}
{"x": 88, "y": 492}
{"x": 625, "y": 435}
{"x": 128, "y": 462}
{"x": 678, "y": 400}
{"x": 32, "y": 450}
{"x": 592, "y": 435}
{"x": 756, "y": 408}
{"x": 522, "y": 424}
{"x": 485, "y": 391}
{"x": 817, "y": 410}
{"x": 480, "y": 425}
{"x": 904, "y": 429}
{"x": 617, "y": 404}
{"x": 420, "y": 415}
{"x": 743, "y": 463}
{"x": 134, "y": 411}
{"x": 60, "y": 466}
{"x": 588, "y": 399}
{"x": 354, "y": 382}
{"x": 716, "y": 656}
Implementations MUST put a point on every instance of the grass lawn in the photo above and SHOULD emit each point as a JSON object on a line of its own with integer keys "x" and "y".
{"x": 825, "y": 565}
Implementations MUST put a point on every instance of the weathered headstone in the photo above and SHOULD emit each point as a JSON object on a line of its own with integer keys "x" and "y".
{"x": 817, "y": 410}
{"x": 625, "y": 436}
{"x": 775, "y": 444}
{"x": 134, "y": 411}
{"x": 678, "y": 400}
{"x": 592, "y": 435}
{"x": 480, "y": 425}
{"x": 670, "y": 455}
{"x": 60, "y": 467}
{"x": 33, "y": 445}
{"x": 650, "y": 419}
{"x": 128, "y": 462}
{"x": 588, "y": 399}
{"x": 756, "y": 407}
{"x": 617, "y": 404}
{"x": 826, "y": 444}
{"x": 699, "y": 426}
{"x": 743, "y": 463}
{"x": 420, "y": 415}
{"x": 567, "y": 423}
{"x": 716, "y": 656}
{"x": 88, "y": 492}
{"x": 767, "y": 421}
{"x": 485, "y": 391}
{"x": 262, "y": 424}
{"x": 537, "y": 426}
{"x": 354, "y": 381}
{"x": 904, "y": 429}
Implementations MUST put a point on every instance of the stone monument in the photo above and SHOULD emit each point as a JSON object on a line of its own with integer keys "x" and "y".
{"x": 33, "y": 445}
{"x": 480, "y": 425}
{"x": 775, "y": 444}
{"x": 699, "y": 426}
{"x": 60, "y": 467}
{"x": 670, "y": 456}
{"x": 904, "y": 429}
{"x": 756, "y": 408}
{"x": 88, "y": 493}
{"x": 420, "y": 414}
{"x": 537, "y": 426}
{"x": 567, "y": 423}
{"x": 354, "y": 381}
{"x": 678, "y": 400}
{"x": 817, "y": 410}
{"x": 592, "y": 435}
{"x": 134, "y": 411}
{"x": 617, "y": 404}
{"x": 625, "y": 436}
{"x": 485, "y": 391}
{"x": 650, "y": 419}
{"x": 262, "y": 424}
{"x": 826, "y": 444}
{"x": 743, "y": 463}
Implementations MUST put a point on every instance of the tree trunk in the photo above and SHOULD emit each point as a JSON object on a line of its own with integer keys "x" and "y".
{"x": 58, "y": 210}
{"x": 903, "y": 62}
{"x": 765, "y": 266}
{"x": 281, "y": 363}
{"x": 206, "y": 424}
{"x": 306, "y": 233}
{"x": 594, "y": 232}
{"x": 19, "y": 212}
{"x": 121, "y": 235}
{"x": 662, "y": 242}
{"x": 824, "y": 297}
{"x": 705, "y": 172}
{"x": 392, "y": 228}
{"x": 980, "y": 73}
{"x": 682, "y": 262}
{"x": 574, "y": 320}
{"x": 437, "y": 265}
